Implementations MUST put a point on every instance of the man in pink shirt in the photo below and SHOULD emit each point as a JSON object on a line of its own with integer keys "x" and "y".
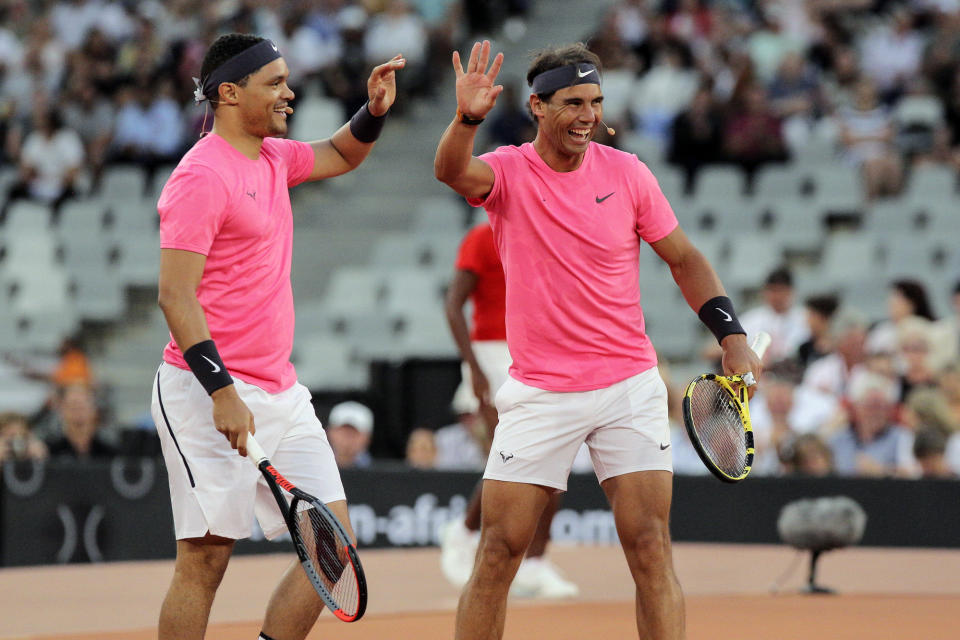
{"x": 568, "y": 217}
{"x": 226, "y": 236}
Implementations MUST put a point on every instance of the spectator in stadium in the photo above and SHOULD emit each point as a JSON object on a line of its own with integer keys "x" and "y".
{"x": 872, "y": 443}
{"x": 479, "y": 277}
{"x": 930, "y": 451}
{"x": 50, "y": 162}
{"x": 779, "y": 316}
{"x": 510, "y": 123}
{"x": 922, "y": 135}
{"x": 907, "y": 299}
{"x": 77, "y": 415}
{"x": 827, "y": 379}
{"x": 917, "y": 358}
{"x": 867, "y": 142}
{"x": 820, "y": 310}
{"x": 149, "y": 127}
{"x": 806, "y": 454}
{"x": 949, "y": 383}
{"x": 399, "y": 28}
{"x": 464, "y": 444}
{"x": 753, "y": 133}
{"x": 571, "y": 290}
{"x": 73, "y": 366}
{"x": 663, "y": 91}
{"x": 796, "y": 98}
{"x": 421, "y": 451}
{"x": 775, "y": 415}
{"x": 17, "y": 441}
{"x": 949, "y": 326}
{"x": 349, "y": 430}
{"x": 696, "y": 136}
{"x": 92, "y": 116}
{"x": 891, "y": 53}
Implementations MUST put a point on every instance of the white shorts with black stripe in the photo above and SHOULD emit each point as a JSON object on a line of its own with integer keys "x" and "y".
{"x": 213, "y": 489}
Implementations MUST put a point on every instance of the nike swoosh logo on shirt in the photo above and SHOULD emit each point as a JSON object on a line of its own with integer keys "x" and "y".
{"x": 599, "y": 199}
{"x": 664, "y": 446}
{"x": 216, "y": 367}
{"x": 584, "y": 75}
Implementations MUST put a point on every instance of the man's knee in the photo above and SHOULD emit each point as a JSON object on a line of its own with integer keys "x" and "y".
{"x": 203, "y": 561}
{"x": 498, "y": 552}
{"x": 648, "y": 544}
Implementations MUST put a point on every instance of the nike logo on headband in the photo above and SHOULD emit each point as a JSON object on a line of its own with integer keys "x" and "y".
{"x": 580, "y": 74}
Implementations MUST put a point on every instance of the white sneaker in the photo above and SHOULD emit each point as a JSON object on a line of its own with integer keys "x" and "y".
{"x": 554, "y": 585}
{"x": 539, "y": 578}
{"x": 458, "y": 548}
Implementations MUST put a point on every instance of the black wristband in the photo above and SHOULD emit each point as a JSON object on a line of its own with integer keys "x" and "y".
{"x": 719, "y": 316}
{"x": 465, "y": 119}
{"x": 207, "y": 366}
{"x": 365, "y": 126}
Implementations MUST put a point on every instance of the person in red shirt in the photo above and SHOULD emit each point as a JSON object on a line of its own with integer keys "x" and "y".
{"x": 478, "y": 276}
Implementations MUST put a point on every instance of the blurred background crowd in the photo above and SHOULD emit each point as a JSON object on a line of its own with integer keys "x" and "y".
{"x": 758, "y": 88}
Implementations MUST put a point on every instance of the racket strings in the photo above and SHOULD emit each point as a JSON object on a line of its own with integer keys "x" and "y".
{"x": 719, "y": 427}
{"x": 328, "y": 551}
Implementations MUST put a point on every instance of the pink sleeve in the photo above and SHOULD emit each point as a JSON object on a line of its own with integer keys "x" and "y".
{"x": 495, "y": 198}
{"x": 191, "y": 209}
{"x": 299, "y": 157}
{"x": 655, "y": 217}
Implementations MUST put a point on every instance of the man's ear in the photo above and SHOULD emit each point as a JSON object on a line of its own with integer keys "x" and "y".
{"x": 229, "y": 93}
{"x": 536, "y": 106}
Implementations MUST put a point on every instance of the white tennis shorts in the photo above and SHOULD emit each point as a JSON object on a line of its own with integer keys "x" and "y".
{"x": 212, "y": 488}
{"x": 625, "y": 427}
{"x": 494, "y": 359}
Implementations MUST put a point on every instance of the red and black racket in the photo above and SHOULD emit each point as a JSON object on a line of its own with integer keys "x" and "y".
{"x": 326, "y": 551}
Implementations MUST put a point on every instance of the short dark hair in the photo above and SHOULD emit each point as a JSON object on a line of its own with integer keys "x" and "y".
{"x": 825, "y": 305}
{"x": 554, "y": 57}
{"x": 222, "y": 49}
{"x": 916, "y": 294}
{"x": 781, "y": 276}
{"x": 929, "y": 441}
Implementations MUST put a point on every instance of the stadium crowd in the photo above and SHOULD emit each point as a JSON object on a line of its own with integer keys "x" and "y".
{"x": 86, "y": 83}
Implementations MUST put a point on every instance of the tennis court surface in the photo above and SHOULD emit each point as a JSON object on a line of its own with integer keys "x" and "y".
{"x": 896, "y": 594}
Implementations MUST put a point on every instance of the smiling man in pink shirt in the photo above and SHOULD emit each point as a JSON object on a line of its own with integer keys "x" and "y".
{"x": 226, "y": 238}
{"x": 569, "y": 217}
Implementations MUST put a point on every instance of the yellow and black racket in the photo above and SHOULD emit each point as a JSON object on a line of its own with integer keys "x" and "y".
{"x": 717, "y": 418}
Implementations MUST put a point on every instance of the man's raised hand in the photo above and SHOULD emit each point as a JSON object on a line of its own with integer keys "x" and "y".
{"x": 382, "y": 85}
{"x": 476, "y": 93}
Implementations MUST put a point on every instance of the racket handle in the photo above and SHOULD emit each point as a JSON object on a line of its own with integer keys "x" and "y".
{"x": 760, "y": 344}
{"x": 254, "y": 450}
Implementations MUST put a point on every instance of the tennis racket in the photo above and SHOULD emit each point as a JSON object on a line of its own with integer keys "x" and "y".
{"x": 323, "y": 546}
{"x": 717, "y": 418}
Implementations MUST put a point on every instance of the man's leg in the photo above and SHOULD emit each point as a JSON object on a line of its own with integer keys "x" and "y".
{"x": 641, "y": 510}
{"x": 511, "y": 511}
{"x": 541, "y": 537}
{"x": 295, "y": 606}
{"x": 197, "y": 574}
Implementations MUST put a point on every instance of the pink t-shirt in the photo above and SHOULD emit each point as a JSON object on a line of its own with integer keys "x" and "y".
{"x": 570, "y": 245}
{"x": 236, "y": 211}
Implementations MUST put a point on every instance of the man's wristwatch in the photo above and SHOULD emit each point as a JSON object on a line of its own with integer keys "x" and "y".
{"x": 465, "y": 119}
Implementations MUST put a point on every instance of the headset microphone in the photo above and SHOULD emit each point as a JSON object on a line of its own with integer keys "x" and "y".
{"x": 610, "y": 130}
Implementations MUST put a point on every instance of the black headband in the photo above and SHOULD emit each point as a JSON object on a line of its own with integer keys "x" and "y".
{"x": 563, "y": 77}
{"x": 236, "y": 68}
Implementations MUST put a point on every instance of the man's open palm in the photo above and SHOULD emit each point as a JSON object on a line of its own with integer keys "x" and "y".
{"x": 476, "y": 93}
